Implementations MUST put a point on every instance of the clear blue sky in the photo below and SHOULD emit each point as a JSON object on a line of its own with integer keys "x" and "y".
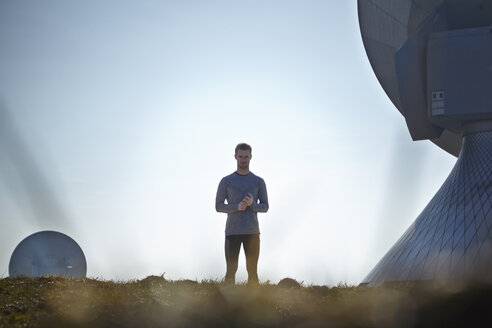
{"x": 129, "y": 112}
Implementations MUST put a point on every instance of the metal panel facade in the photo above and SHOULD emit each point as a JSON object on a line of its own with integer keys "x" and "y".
{"x": 452, "y": 237}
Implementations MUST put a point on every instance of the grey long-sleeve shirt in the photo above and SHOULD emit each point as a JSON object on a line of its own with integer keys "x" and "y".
{"x": 234, "y": 188}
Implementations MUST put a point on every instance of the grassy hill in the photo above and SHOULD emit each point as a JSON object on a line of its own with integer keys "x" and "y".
{"x": 155, "y": 301}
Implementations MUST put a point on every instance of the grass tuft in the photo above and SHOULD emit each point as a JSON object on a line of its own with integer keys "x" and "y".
{"x": 156, "y": 301}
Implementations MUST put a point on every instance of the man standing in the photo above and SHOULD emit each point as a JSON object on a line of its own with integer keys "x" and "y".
{"x": 246, "y": 195}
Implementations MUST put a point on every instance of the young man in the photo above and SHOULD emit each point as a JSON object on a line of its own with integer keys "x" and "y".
{"x": 246, "y": 195}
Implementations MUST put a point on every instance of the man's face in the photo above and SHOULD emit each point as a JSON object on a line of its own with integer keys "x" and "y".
{"x": 242, "y": 157}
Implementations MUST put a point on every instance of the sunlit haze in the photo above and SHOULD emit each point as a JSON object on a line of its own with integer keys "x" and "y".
{"x": 123, "y": 117}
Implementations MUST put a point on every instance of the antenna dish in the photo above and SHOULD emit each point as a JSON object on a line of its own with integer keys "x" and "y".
{"x": 48, "y": 253}
{"x": 433, "y": 58}
{"x": 396, "y": 38}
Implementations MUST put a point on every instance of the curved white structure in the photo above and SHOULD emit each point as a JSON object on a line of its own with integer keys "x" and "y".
{"x": 48, "y": 253}
{"x": 452, "y": 238}
{"x": 385, "y": 26}
{"x": 433, "y": 58}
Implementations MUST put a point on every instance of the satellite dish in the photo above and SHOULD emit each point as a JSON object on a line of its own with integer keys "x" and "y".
{"x": 403, "y": 45}
{"x": 48, "y": 253}
{"x": 433, "y": 58}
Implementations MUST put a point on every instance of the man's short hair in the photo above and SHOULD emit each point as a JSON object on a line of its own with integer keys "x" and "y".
{"x": 243, "y": 146}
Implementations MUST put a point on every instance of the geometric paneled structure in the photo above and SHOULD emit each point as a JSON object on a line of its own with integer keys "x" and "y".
{"x": 433, "y": 59}
{"x": 48, "y": 253}
{"x": 452, "y": 237}
{"x": 385, "y": 25}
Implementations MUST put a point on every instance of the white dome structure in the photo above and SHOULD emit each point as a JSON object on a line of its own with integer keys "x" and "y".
{"x": 48, "y": 253}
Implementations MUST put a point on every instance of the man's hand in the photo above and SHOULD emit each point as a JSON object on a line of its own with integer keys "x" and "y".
{"x": 248, "y": 200}
{"x": 242, "y": 206}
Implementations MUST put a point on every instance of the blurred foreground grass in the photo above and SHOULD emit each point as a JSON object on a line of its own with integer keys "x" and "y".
{"x": 154, "y": 301}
